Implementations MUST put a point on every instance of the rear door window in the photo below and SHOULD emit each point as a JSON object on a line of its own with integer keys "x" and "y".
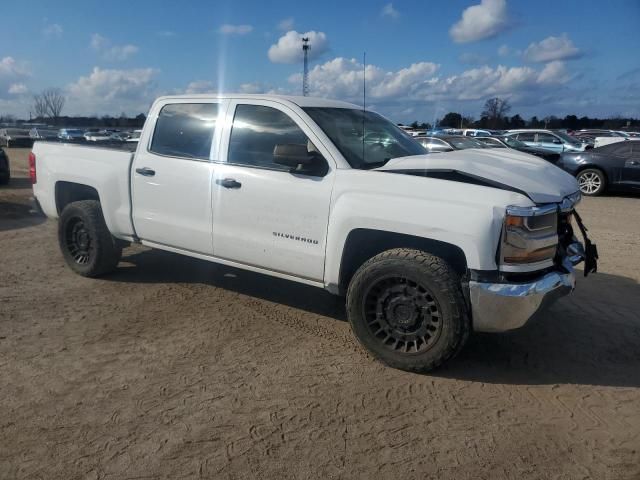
{"x": 547, "y": 138}
{"x": 185, "y": 130}
{"x": 526, "y": 136}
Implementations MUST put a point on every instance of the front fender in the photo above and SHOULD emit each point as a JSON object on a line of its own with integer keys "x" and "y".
{"x": 467, "y": 216}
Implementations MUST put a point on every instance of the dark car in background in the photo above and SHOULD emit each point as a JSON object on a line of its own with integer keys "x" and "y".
{"x": 448, "y": 143}
{"x": 5, "y": 174}
{"x": 504, "y": 141}
{"x": 615, "y": 166}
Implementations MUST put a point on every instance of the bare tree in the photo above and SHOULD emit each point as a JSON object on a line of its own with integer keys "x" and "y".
{"x": 39, "y": 106}
{"x": 494, "y": 110}
{"x": 49, "y": 103}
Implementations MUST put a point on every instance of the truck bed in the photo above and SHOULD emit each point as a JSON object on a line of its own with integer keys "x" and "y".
{"x": 101, "y": 167}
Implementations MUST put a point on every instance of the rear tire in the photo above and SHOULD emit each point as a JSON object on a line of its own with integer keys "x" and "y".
{"x": 85, "y": 241}
{"x": 592, "y": 182}
{"x": 406, "y": 307}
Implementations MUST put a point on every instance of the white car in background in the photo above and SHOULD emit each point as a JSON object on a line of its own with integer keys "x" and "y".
{"x": 134, "y": 136}
{"x": 473, "y": 132}
{"x": 101, "y": 136}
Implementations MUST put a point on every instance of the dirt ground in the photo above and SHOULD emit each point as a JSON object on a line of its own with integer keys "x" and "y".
{"x": 178, "y": 368}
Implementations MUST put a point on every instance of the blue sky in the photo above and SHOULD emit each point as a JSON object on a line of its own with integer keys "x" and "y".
{"x": 424, "y": 58}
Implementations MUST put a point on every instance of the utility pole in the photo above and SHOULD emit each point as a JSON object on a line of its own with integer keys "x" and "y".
{"x": 305, "y": 71}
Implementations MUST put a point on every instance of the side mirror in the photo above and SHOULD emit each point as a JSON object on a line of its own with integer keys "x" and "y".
{"x": 299, "y": 159}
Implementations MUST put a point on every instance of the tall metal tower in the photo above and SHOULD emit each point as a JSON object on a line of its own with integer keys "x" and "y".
{"x": 305, "y": 73}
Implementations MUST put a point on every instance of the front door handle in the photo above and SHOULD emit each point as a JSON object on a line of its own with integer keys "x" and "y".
{"x": 228, "y": 183}
{"x": 146, "y": 171}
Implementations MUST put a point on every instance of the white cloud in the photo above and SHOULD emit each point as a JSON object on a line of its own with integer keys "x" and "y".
{"x": 342, "y": 78}
{"x": 53, "y": 30}
{"x": 554, "y": 73}
{"x": 98, "y": 42}
{"x": 200, "y": 86}
{"x": 286, "y": 24}
{"x": 18, "y": 89}
{"x": 166, "y": 33}
{"x": 480, "y": 21}
{"x": 251, "y": 87}
{"x": 229, "y": 29}
{"x": 112, "y": 91}
{"x": 552, "y": 48}
{"x": 110, "y": 52}
{"x": 288, "y": 49}
{"x": 12, "y": 73}
{"x": 504, "y": 50}
{"x": 389, "y": 11}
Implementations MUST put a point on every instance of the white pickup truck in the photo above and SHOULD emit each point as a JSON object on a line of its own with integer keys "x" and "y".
{"x": 426, "y": 248}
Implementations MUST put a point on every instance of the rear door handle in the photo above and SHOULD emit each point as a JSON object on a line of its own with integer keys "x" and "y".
{"x": 146, "y": 171}
{"x": 229, "y": 183}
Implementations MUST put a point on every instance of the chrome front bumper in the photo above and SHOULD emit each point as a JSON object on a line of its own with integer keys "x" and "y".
{"x": 497, "y": 307}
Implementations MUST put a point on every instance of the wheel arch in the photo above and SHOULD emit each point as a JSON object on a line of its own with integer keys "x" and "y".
{"x": 68, "y": 192}
{"x": 590, "y": 166}
{"x": 363, "y": 243}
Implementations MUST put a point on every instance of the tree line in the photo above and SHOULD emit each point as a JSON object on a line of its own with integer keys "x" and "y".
{"x": 495, "y": 116}
{"x": 48, "y": 105}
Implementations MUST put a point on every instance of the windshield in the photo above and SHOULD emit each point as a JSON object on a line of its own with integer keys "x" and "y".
{"x": 462, "y": 143}
{"x": 381, "y": 142}
{"x": 514, "y": 143}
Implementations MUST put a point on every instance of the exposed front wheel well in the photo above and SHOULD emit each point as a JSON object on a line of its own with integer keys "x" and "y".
{"x": 68, "y": 192}
{"x": 363, "y": 244}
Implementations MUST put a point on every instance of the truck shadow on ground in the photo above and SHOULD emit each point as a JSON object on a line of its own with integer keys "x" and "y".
{"x": 156, "y": 266}
{"x": 18, "y": 215}
{"x": 589, "y": 338}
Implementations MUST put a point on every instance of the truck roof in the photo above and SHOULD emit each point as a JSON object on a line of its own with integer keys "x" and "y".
{"x": 297, "y": 100}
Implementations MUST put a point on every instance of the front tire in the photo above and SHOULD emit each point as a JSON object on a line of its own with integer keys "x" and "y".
{"x": 592, "y": 182}
{"x": 406, "y": 308}
{"x": 85, "y": 241}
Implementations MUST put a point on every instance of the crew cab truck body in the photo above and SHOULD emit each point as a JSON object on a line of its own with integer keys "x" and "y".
{"x": 425, "y": 247}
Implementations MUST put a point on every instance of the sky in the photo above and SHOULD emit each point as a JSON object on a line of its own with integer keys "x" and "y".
{"x": 423, "y": 58}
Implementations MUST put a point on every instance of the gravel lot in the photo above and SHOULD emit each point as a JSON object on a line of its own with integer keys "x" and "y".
{"x": 178, "y": 368}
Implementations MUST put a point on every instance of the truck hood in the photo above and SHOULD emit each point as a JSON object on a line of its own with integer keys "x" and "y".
{"x": 508, "y": 169}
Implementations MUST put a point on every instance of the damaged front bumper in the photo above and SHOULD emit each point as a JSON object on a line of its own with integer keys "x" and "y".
{"x": 498, "y": 307}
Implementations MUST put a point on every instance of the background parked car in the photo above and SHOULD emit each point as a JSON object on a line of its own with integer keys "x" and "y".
{"x": 134, "y": 136}
{"x": 70, "y": 134}
{"x": 38, "y": 133}
{"x": 5, "y": 173}
{"x": 101, "y": 136}
{"x": 615, "y": 166}
{"x": 15, "y": 137}
{"x": 448, "y": 143}
{"x": 551, "y": 140}
{"x": 119, "y": 136}
{"x": 472, "y": 132}
{"x": 504, "y": 141}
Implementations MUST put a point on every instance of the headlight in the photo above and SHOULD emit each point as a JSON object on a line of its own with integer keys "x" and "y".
{"x": 529, "y": 238}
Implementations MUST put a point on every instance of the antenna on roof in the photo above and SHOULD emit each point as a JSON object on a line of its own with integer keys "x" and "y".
{"x": 364, "y": 96}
